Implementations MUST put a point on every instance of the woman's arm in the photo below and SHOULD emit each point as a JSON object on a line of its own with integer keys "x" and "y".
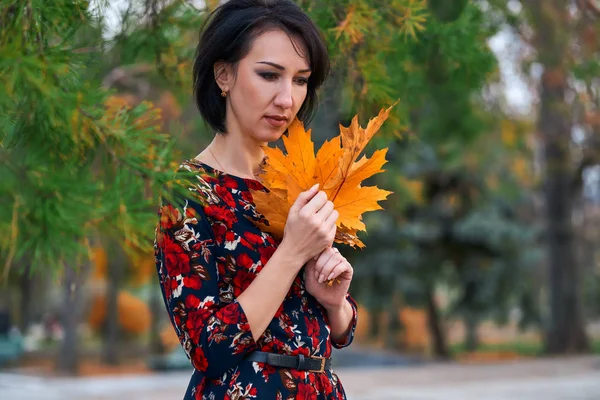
{"x": 310, "y": 227}
{"x": 340, "y": 321}
{"x": 264, "y": 295}
{"x": 343, "y": 323}
{"x": 214, "y": 335}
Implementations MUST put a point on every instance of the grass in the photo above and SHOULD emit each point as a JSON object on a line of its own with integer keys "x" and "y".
{"x": 525, "y": 349}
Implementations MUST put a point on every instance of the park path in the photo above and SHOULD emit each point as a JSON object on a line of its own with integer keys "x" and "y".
{"x": 576, "y": 378}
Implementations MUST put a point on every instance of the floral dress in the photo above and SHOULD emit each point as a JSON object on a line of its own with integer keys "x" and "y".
{"x": 208, "y": 251}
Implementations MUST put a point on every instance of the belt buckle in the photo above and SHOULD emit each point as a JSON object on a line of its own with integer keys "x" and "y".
{"x": 322, "y": 369}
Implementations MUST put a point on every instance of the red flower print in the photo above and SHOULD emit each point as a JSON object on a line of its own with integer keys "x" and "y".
{"x": 222, "y": 214}
{"x": 241, "y": 281}
{"x": 177, "y": 261}
{"x": 219, "y": 229}
{"x": 229, "y": 236}
{"x": 199, "y": 389}
{"x": 169, "y": 285}
{"x": 192, "y": 282}
{"x": 265, "y": 254}
{"x": 300, "y": 350}
{"x": 199, "y": 359}
{"x": 279, "y": 311}
{"x": 255, "y": 185}
{"x": 247, "y": 197}
{"x": 211, "y": 180}
{"x": 251, "y": 391}
{"x": 296, "y": 288}
{"x": 312, "y": 327}
{"x": 192, "y": 301}
{"x": 244, "y": 261}
{"x": 225, "y": 196}
{"x": 253, "y": 238}
{"x": 229, "y": 315}
{"x": 201, "y": 244}
{"x": 267, "y": 371}
{"x": 306, "y": 392}
{"x": 325, "y": 384}
{"x": 222, "y": 268}
{"x": 196, "y": 319}
{"x": 230, "y": 182}
{"x": 245, "y": 326}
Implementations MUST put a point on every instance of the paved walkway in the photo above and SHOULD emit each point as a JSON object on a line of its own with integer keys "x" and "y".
{"x": 549, "y": 379}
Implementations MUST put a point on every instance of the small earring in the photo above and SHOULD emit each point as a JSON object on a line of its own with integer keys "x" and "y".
{"x": 223, "y": 93}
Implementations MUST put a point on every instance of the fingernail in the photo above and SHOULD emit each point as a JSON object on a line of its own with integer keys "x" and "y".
{"x": 316, "y": 185}
{"x": 321, "y": 278}
{"x": 330, "y": 277}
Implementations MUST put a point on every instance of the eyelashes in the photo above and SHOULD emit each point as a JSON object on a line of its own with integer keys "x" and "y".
{"x": 271, "y": 76}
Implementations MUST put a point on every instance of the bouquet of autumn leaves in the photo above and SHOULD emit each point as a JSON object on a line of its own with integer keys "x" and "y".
{"x": 335, "y": 168}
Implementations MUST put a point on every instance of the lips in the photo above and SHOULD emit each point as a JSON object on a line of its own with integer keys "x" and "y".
{"x": 276, "y": 120}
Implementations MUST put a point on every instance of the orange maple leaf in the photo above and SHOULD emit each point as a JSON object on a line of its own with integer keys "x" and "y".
{"x": 335, "y": 169}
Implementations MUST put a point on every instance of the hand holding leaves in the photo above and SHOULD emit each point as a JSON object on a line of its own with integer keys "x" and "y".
{"x": 335, "y": 168}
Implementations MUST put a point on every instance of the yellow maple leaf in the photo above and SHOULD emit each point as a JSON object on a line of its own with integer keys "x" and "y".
{"x": 335, "y": 168}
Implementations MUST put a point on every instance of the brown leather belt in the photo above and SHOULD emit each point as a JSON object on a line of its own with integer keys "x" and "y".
{"x": 299, "y": 362}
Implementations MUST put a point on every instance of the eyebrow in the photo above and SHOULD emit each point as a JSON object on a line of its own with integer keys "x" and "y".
{"x": 281, "y": 67}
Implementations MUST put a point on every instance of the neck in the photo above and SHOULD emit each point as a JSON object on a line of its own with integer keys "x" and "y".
{"x": 238, "y": 154}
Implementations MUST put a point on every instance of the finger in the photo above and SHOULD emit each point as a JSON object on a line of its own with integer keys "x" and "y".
{"x": 316, "y": 203}
{"x": 325, "y": 211}
{"x": 324, "y": 258}
{"x": 332, "y": 218}
{"x": 330, "y": 266}
{"x": 338, "y": 270}
{"x": 304, "y": 198}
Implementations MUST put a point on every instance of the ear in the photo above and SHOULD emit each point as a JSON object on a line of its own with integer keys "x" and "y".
{"x": 223, "y": 75}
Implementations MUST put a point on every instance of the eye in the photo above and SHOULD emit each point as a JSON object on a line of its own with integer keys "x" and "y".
{"x": 302, "y": 81}
{"x": 269, "y": 76}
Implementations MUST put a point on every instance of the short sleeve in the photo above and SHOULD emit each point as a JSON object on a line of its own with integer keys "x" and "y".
{"x": 214, "y": 334}
{"x": 350, "y": 337}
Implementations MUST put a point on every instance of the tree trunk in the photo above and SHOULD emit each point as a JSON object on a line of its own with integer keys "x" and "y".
{"x": 26, "y": 288}
{"x": 472, "y": 338}
{"x": 566, "y": 333}
{"x": 156, "y": 345}
{"x": 393, "y": 324}
{"x": 440, "y": 347}
{"x": 374, "y": 318}
{"x": 71, "y": 313}
{"x": 115, "y": 265}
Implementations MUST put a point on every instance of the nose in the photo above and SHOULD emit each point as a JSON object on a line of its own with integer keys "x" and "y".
{"x": 284, "y": 97}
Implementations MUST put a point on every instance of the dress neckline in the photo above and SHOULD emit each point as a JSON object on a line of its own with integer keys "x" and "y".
{"x": 222, "y": 173}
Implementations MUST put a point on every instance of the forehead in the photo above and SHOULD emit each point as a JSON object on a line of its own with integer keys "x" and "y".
{"x": 276, "y": 46}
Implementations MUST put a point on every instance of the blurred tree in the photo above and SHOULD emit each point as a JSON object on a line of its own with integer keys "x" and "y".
{"x": 552, "y": 25}
{"x": 74, "y": 163}
{"x": 459, "y": 187}
{"x": 560, "y": 42}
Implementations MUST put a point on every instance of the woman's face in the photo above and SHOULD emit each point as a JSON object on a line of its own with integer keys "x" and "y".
{"x": 269, "y": 88}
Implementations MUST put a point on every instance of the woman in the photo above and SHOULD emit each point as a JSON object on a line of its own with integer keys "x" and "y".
{"x": 254, "y": 314}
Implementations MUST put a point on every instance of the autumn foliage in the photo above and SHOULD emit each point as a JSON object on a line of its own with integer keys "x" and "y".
{"x": 335, "y": 168}
{"x": 134, "y": 314}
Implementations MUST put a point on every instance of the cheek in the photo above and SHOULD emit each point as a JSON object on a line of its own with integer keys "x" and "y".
{"x": 299, "y": 98}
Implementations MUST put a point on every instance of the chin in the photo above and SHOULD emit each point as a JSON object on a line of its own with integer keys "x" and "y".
{"x": 268, "y": 136}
